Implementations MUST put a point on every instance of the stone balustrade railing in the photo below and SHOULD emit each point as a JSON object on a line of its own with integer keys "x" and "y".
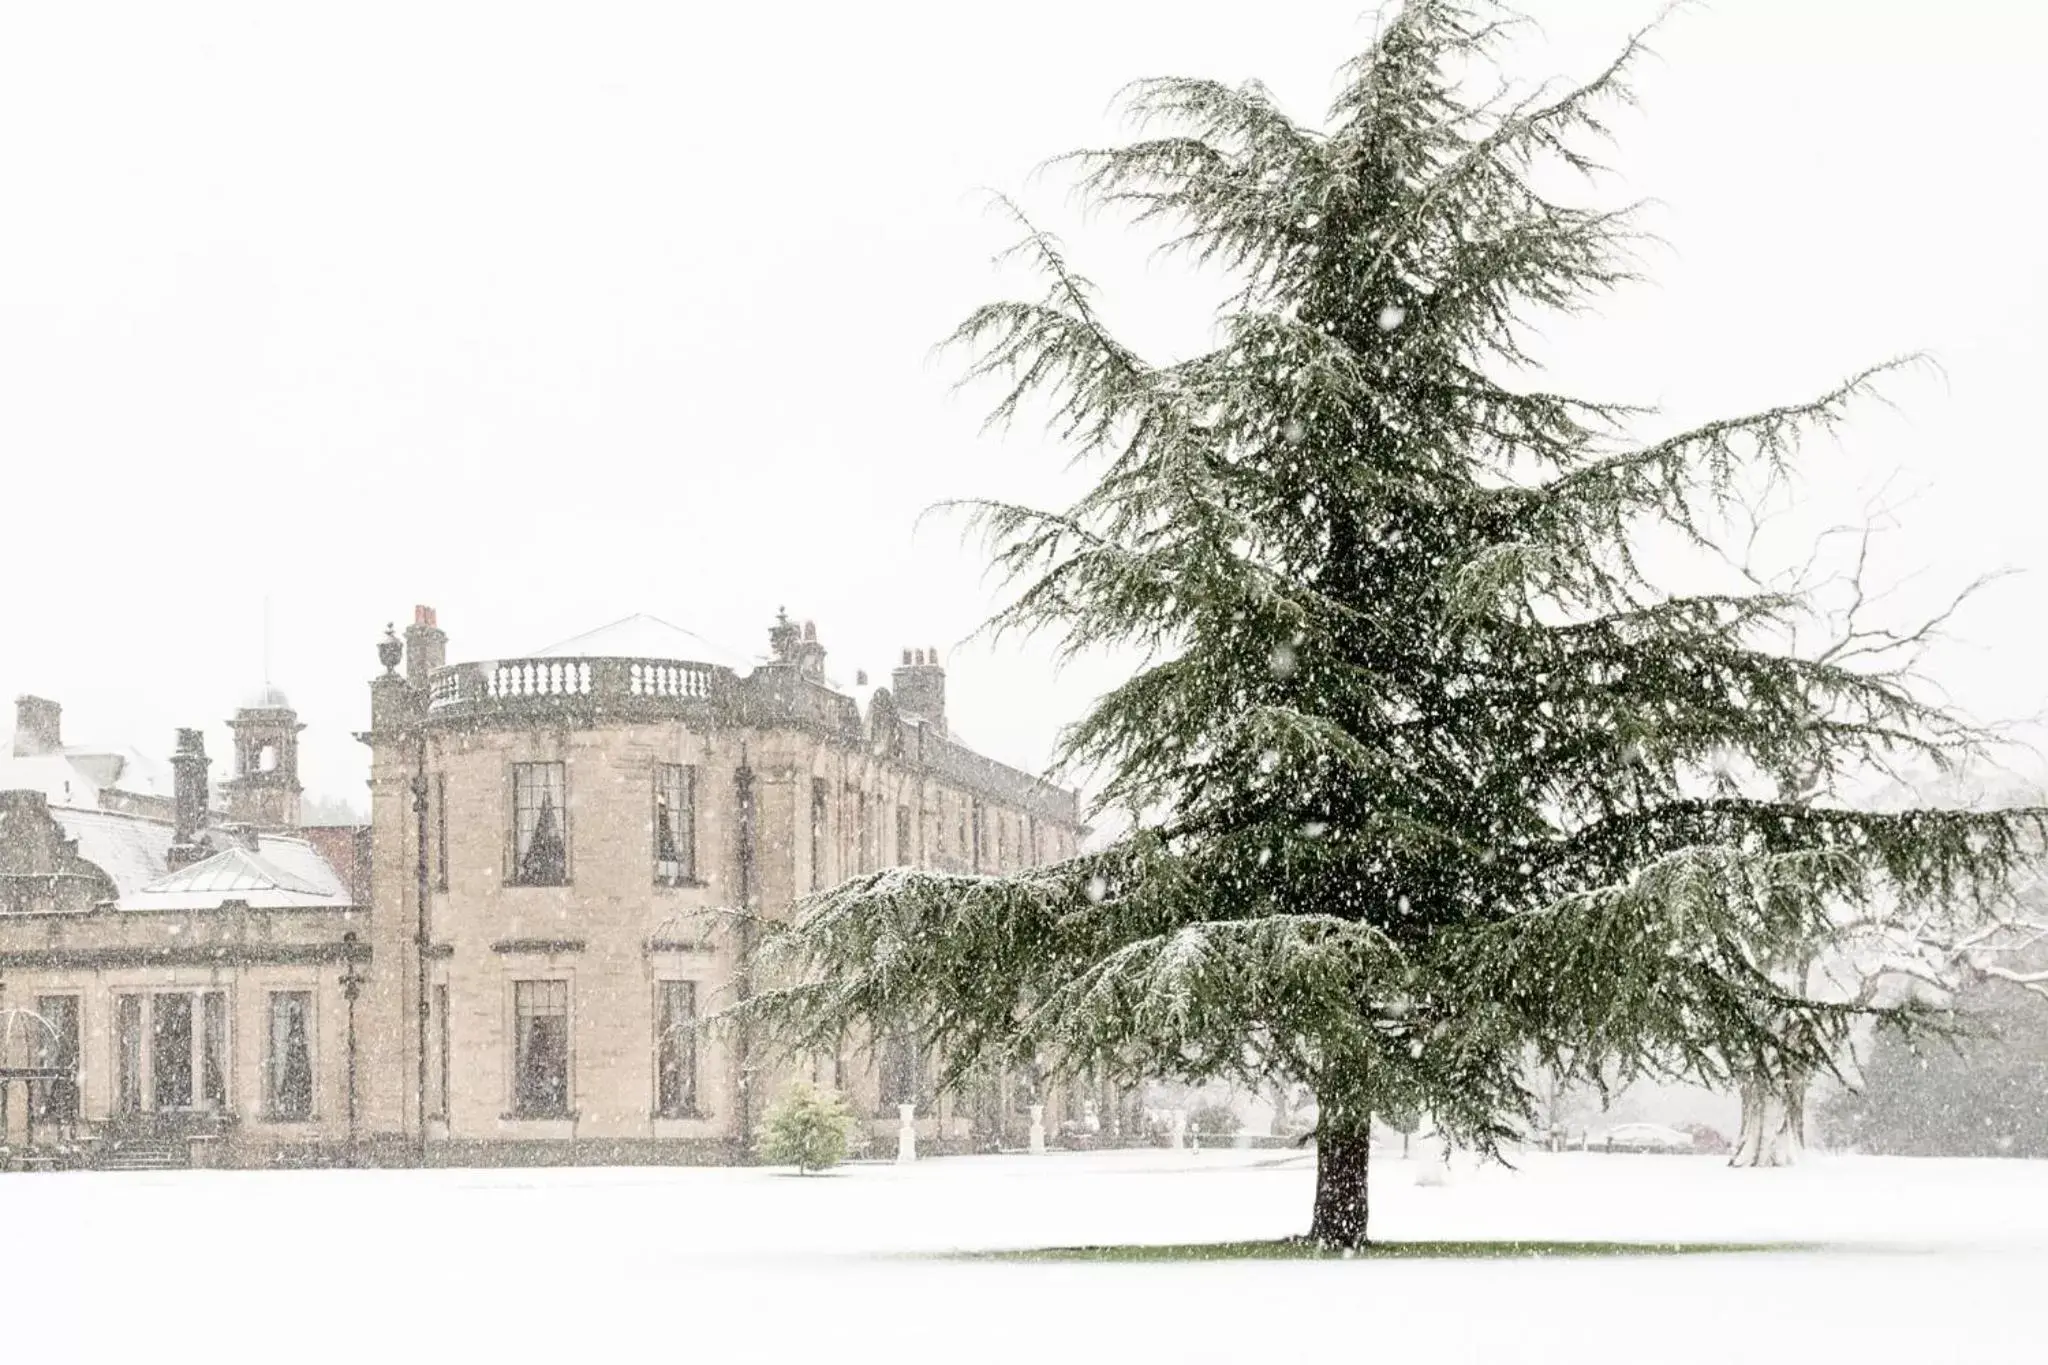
{"x": 541, "y": 680}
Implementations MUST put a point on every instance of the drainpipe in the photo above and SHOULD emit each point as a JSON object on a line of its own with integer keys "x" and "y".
{"x": 419, "y": 809}
{"x": 743, "y": 788}
{"x": 351, "y": 987}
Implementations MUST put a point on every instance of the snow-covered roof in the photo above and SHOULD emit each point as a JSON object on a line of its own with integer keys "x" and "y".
{"x": 644, "y": 637}
{"x": 267, "y": 698}
{"x": 284, "y": 874}
{"x": 128, "y": 848}
{"x": 76, "y": 774}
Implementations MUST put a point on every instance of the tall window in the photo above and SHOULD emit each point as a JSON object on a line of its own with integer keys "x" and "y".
{"x": 540, "y": 831}
{"x": 1032, "y": 857}
{"x": 170, "y": 1050}
{"x": 904, "y": 855}
{"x": 213, "y": 1049}
{"x": 675, "y": 823}
{"x": 540, "y": 1061}
{"x": 57, "y": 1046}
{"x": 675, "y": 1057}
{"x": 441, "y": 831}
{"x": 820, "y": 799}
{"x": 1002, "y": 843}
{"x": 128, "y": 1049}
{"x": 974, "y": 849}
{"x": 289, "y": 1084}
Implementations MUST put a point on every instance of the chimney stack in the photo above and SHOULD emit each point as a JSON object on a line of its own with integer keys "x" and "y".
{"x": 426, "y": 648}
{"x": 38, "y": 727}
{"x": 189, "y": 793}
{"x": 919, "y": 687}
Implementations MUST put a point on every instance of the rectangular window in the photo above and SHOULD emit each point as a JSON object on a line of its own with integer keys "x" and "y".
{"x": 540, "y": 825}
{"x": 128, "y": 1036}
{"x": 441, "y": 831}
{"x": 213, "y": 1050}
{"x": 540, "y": 1061}
{"x": 441, "y": 1028}
{"x": 904, "y": 856}
{"x": 56, "y": 1032}
{"x": 289, "y": 1088}
{"x": 980, "y": 835}
{"x": 1032, "y": 857}
{"x": 675, "y": 1059}
{"x": 170, "y": 1051}
{"x": 820, "y": 798}
{"x": 1002, "y": 843}
{"x": 675, "y": 823}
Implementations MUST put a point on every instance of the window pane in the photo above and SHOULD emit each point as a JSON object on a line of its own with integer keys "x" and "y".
{"x": 56, "y": 1046}
{"x": 540, "y": 846}
{"x": 676, "y": 1049}
{"x": 675, "y": 822}
{"x": 213, "y": 1052}
{"x": 541, "y": 1048}
{"x": 819, "y": 799}
{"x": 291, "y": 1055}
{"x": 170, "y": 1056}
{"x": 128, "y": 1032}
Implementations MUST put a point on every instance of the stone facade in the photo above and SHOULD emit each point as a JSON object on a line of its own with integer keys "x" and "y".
{"x": 595, "y": 828}
{"x": 684, "y": 797}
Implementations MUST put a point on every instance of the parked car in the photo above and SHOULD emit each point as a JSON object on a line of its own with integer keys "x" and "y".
{"x": 1647, "y": 1137}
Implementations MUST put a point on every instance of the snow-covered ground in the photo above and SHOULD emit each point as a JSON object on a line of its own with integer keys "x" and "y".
{"x": 1932, "y": 1261}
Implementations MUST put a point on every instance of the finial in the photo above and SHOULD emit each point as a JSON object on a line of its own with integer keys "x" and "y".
{"x": 389, "y": 650}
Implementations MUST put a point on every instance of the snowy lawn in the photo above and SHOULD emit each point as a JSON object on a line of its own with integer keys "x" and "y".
{"x": 1880, "y": 1260}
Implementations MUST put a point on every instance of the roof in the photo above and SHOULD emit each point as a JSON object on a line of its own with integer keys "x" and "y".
{"x": 644, "y": 637}
{"x": 128, "y": 848}
{"x": 286, "y": 874}
{"x": 280, "y": 872}
{"x": 76, "y": 774}
{"x": 267, "y": 698}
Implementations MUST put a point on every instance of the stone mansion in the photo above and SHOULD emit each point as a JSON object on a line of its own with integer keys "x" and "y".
{"x": 566, "y": 855}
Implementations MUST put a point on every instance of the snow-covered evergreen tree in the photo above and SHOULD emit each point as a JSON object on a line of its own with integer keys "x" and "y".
{"x": 1419, "y": 750}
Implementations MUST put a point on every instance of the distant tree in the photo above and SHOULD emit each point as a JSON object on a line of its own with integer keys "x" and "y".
{"x": 1419, "y": 756}
{"x": 808, "y": 1129}
{"x": 330, "y": 810}
{"x": 1980, "y": 1092}
{"x": 1214, "y": 1120}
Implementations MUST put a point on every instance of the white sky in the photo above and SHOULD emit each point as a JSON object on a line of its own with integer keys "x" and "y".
{"x": 545, "y": 315}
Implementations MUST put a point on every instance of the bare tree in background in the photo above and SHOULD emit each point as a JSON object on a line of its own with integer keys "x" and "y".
{"x": 1885, "y": 948}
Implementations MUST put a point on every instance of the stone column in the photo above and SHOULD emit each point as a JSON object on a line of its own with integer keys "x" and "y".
{"x": 906, "y": 1136}
{"x": 1038, "y": 1129}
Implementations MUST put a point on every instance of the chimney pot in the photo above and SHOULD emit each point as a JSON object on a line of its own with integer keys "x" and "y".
{"x": 423, "y": 616}
{"x": 426, "y": 647}
{"x": 906, "y": 656}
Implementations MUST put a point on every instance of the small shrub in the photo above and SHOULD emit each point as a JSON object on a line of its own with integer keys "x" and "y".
{"x": 808, "y": 1129}
{"x": 1705, "y": 1138}
{"x": 1214, "y": 1121}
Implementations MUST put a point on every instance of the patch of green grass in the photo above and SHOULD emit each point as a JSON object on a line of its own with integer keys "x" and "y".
{"x": 1300, "y": 1249}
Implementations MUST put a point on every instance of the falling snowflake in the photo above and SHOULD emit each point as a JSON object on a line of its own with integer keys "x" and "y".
{"x": 1097, "y": 888}
{"x": 1283, "y": 661}
{"x": 1392, "y": 316}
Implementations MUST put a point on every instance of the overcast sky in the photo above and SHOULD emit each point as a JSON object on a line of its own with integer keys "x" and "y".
{"x": 546, "y": 315}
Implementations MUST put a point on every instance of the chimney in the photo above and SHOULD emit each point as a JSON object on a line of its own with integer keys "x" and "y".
{"x": 37, "y": 727}
{"x": 426, "y": 648}
{"x": 919, "y": 687}
{"x": 188, "y": 789}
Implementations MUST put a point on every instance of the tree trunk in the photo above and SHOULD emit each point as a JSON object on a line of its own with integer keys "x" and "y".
{"x": 1343, "y": 1156}
{"x": 1773, "y": 1124}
